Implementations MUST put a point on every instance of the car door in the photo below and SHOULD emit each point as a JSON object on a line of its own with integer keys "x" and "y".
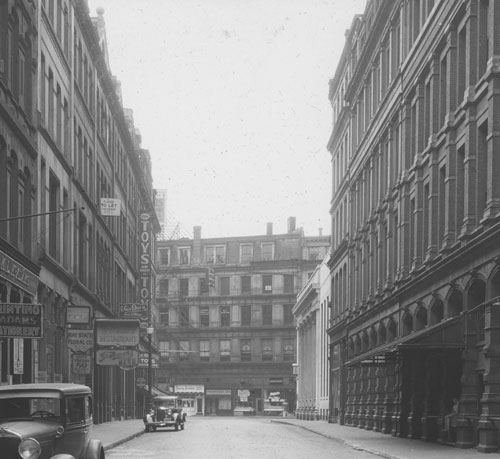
{"x": 76, "y": 425}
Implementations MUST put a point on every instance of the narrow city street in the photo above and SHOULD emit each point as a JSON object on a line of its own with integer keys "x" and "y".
{"x": 234, "y": 438}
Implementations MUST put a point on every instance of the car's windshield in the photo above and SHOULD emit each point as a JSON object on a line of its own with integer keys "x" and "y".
{"x": 30, "y": 408}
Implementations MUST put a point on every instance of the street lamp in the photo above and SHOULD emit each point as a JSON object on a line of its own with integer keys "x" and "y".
{"x": 150, "y": 331}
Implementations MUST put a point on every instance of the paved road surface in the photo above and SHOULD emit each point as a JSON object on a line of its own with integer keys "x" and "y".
{"x": 234, "y": 438}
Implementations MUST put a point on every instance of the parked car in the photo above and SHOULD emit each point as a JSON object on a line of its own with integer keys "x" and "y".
{"x": 47, "y": 421}
{"x": 166, "y": 412}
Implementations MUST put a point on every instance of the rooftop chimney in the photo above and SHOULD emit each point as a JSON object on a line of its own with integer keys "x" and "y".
{"x": 291, "y": 224}
{"x": 269, "y": 229}
{"x": 196, "y": 244}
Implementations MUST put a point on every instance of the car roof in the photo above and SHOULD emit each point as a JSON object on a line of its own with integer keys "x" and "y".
{"x": 61, "y": 388}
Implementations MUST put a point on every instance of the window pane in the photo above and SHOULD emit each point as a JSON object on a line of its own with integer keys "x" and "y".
{"x": 267, "y": 350}
{"x": 246, "y": 315}
{"x": 246, "y": 350}
{"x": 267, "y": 314}
{"x": 224, "y": 285}
{"x": 204, "y": 317}
{"x": 205, "y": 351}
{"x": 288, "y": 283}
{"x": 225, "y": 316}
{"x": 267, "y": 251}
{"x": 267, "y": 284}
{"x": 225, "y": 350}
{"x": 246, "y": 284}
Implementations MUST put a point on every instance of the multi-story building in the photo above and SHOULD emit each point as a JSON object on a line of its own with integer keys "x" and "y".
{"x": 312, "y": 314}
{"x": 415, "y": 221}
{"x": 19, "y": 268}
{"x": 227, "y": 338}
{"x": 66, "y": 144}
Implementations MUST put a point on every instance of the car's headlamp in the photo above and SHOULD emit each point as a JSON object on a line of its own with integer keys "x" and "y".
{"x": 29, "y": 449}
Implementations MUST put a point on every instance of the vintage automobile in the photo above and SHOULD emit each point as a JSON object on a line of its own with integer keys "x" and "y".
{"x": 166, "y": 412}
{"x": 47, "y": 421}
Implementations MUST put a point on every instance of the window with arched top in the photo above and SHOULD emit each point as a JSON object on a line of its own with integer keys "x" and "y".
{"x": 407, "y": 324}
{"x": 420, "y": 318}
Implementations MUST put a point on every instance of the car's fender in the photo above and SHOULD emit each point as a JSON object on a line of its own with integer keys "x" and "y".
{"x": 62, "y": 456}
{"x": 93, "y": 450}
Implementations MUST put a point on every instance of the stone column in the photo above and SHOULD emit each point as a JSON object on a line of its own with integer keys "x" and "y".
{"x": 488, "y": 428}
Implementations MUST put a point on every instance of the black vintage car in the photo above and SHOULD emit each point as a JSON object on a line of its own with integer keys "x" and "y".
{"x": 166, "y": 412}
{"x": 47, "y": 421}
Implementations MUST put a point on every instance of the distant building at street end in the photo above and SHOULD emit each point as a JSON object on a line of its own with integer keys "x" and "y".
{"x": 226, "y": 318}
{"x": 312, "y": 314}
{"x": 415, "y": 217}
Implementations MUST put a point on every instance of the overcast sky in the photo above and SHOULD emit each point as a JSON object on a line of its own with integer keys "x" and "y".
{"x": 231, "y": 98}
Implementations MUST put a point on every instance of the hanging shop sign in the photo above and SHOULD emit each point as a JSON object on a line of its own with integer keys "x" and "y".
{"x": 117, "y": 357}
{"x": 20, "y": 320}
{"x": 80, "y": 340}
{"x": 117, "y": 332}
{"x": 17, "y": 274}
{"x": 144, "y": 360}
{"x": 110, "y": 207}
{"x": 81, "y": 364}
{"x": 78, "y": 315}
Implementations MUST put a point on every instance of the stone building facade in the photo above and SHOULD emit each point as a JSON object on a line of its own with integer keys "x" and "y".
{"x": 415, "y": 259}
{"x": 227, "y": 332}
{"x": 65, "y": 143}
{"x": 312, "y": 314}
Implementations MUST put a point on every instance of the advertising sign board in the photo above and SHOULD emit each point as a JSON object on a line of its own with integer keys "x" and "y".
{"x": 78, "y": 315}
{"x": 80, "y": 340}
{"x": 117, "y": 357}
{"x": 20, "y": 320}
{"x": 81, "y": 364}
{"x": 144, "y": 360}
{"x": 117, "y": 332}
{"x": 110, "y": 207}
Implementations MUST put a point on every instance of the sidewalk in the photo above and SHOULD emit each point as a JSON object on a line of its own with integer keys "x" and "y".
{"x": 113, "y": 434}
{"x": 382, "y": 445}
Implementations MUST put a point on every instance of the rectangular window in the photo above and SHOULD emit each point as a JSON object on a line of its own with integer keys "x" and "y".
{"x": 204, "y": 317}
{"x": 267, "y": 350}
{"x": 267, "y": 250}
{"x": 163, "y": 288}
{"x": 246, "y": 350}
{"x": 184, "y": 255}
{"x": 164, "y": 348}
{"x": 288, "y": 283}
{"x": 225, "y": 316}
{"x": 183, "y": 350}
{"x": 184, "y": 287}
{"x": 184, "y": 316}
{"x": 225, "y": 350}
{"x": 288, "y": 350}
{"x": 267, "y": 314}
{"x": 203, "y": 285}
{"x": 267, "y": 283}
{"x": 205, "y": 351}
{"x": 287, "y": 314}
{"x": 246, "y": 315}
{"x": 224, "y": 285}
{"x": 246, "y": 253}
{"x": 165, "y": 318}
{"x": 164, "y": 257}
{"x": 246, "y": 284}
{"x": 215, "y": 254}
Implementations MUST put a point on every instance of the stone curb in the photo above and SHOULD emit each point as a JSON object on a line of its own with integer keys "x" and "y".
{"x": 123, "y": 440}
{"x": 340, "y": 440}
